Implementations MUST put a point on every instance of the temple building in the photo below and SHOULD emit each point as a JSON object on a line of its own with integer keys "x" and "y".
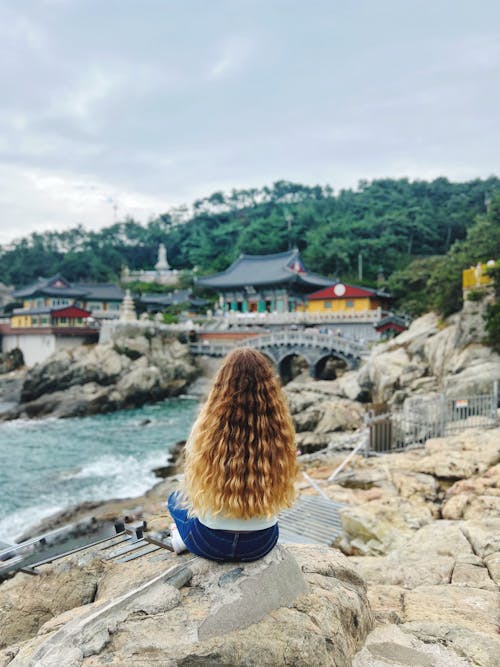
{"x": 179, "y": 298}
{"x": 57, "y": 314}
{"x": 264, "y": 283}
{"x": 344, "y": 299}
{"x": 44, "y": 299}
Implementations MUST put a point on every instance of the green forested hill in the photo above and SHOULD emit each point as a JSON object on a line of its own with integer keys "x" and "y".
{"x": 392, "y": 223}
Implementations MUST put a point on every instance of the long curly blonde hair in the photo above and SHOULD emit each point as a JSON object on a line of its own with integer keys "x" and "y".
{"x": 241, "y": 458}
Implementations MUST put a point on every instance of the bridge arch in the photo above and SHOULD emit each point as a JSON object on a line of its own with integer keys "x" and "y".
{"x": 330, "y": 366}
{"x": 281, "y": 347}
{"x": 291, "y": 364}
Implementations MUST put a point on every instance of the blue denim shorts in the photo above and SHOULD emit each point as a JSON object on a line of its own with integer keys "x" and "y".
{"x": 221, "y": 545}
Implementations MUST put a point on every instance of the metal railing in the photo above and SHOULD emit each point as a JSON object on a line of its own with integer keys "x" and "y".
{"x": 304, "y": 317}
{"x": 431, "y": 418}
{"x": 297, "y": 339}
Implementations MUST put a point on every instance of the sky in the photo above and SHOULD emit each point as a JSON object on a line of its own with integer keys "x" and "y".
{"x": 120, "y": 108}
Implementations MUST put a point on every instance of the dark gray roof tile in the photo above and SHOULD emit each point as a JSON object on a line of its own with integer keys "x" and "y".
{"x": 278, "y": 268}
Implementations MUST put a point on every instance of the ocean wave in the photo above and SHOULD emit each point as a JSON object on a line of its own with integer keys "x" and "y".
{"x": 24, "y": 423}
{"x": 51, "y": 465}
{"x": 116, "y": 466}
{"x": 16, "y": 523}
{"x": 107, "y": 479}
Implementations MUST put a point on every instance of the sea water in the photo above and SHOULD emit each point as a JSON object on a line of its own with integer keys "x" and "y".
{"x": 52, "y": 464}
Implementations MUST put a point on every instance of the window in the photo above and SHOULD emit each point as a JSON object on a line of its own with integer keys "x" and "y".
{"x": 327, "y": 304}
{"x": 349, "y": 304}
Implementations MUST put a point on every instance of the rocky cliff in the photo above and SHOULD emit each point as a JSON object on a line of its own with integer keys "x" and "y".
{"x": 135, "y": 367}
{"x": 422, "y": 528}
{"x": 300, "y": 606}
{"x": 446, "y": 356}
{"x": 432, "y": 356}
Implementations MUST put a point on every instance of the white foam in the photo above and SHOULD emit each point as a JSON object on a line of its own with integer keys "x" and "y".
{"x": 14, "y": 525}
{"x": 114, "y": 477}
{"x": 116, "y": 466}
{"x": 31, "y": 424}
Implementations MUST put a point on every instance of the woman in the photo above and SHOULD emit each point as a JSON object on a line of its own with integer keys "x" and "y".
{"x": 240, "y": 465}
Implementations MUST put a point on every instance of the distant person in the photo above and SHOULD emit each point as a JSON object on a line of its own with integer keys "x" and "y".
{"x": 241, "y": 465}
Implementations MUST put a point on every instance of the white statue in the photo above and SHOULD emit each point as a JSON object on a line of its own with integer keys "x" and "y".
{"x": 162, "y": 264}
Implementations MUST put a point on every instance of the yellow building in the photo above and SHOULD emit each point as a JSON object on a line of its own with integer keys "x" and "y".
{"x": 346, "y": 299}
{"x": 46, "y": 301}
{"x": 476, "y": 277}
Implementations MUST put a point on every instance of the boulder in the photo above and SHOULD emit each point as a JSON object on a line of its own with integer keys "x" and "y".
{"x": 472, "y": 608}
{"x": 136, "y": 367}
{"x": 475, "y": 497}
{"x": 394, "y": 571}
{"x": 319, "y": 412}
{"x": 27, "y": 602}
{"x": 389, "y": 645}
{"x": 381, "y": 374}
{"x": 302, "y": 606}
{"x": 479, "y": 648}
{"x": 483, "y": 535}
{"x": 461, "y": 455}
{"x": 431, "y": 356}
{"x": 347, "y": 386}
{"x": 340, "y": 415}
{"x": 377, "y": 527}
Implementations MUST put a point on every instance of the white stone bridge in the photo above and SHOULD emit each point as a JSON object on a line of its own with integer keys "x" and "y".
{"x": 316, "y": 348}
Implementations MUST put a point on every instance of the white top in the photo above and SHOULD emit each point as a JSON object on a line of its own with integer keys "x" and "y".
{"x": 230, "y": 523}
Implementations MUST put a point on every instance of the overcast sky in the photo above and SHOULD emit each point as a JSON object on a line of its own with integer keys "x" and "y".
{"x": 143, "y": 105}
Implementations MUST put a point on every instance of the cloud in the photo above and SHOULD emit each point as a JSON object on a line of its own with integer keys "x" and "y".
{"x": 62, "y": 200}
{"x": 107, "y": 102}
{"x": 20, "y": 31}
{"x": 232, "y": 57}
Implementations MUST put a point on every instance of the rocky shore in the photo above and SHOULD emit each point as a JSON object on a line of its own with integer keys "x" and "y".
{"x": 134, "y": 368}
{"x": 411, "y": 582}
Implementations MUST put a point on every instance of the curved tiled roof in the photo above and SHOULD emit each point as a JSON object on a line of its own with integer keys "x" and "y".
{"x": 282, "y": 267}
{"x": 49, "y": 287}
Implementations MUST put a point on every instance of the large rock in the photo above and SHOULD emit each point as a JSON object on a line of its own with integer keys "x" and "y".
{"x": 472, "y": 608}
{"x": 27, "y": 602}
{"x": 137, "y": 366}
{"x": 438, "y": 553}
{"x": 320, "y": 411}
{"x": 300, "y": 606}
{"x": 475, "y": 497}
{"x": 432, "y": 356}
{"x": 484, "y": 537}
{"x": 479, "y": 648}
{"x": 377, "y": 527}
{"x": 389, "y": 645}
{"x": 340, "y": 415}
{"x": 462, "y": 455}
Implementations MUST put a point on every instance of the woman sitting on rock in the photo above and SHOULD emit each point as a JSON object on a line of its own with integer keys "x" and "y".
{"x": 241, "y": 465}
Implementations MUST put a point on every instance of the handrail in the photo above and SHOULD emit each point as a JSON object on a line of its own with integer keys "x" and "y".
{"x": 346, "y": 461}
